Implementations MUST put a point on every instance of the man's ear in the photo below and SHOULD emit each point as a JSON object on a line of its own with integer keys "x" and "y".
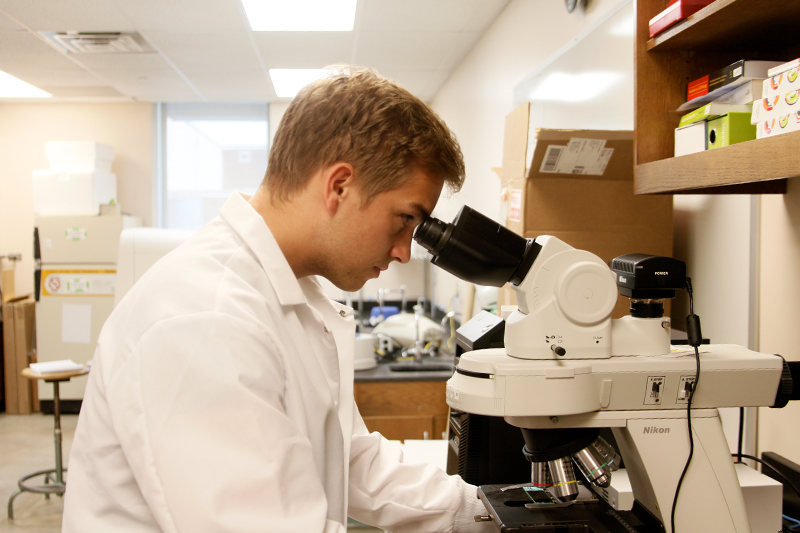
{"x": 339, "y": 183}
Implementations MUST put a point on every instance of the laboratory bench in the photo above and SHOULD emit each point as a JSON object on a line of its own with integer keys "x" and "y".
{"x": 405, "y": 404}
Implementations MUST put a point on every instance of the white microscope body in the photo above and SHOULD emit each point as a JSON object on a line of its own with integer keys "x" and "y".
{"x": 566, "y": 364}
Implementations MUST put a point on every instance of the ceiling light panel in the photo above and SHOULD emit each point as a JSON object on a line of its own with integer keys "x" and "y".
{"x": 11, "y": 87}
{"x": 300, "y": 15}
{"x": 289, "y": 81}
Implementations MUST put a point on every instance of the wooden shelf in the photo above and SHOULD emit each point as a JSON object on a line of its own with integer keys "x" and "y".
{"x": 726, "y": 24}
{"x": 763, "y": 162}
{"x": 714, "y": 37}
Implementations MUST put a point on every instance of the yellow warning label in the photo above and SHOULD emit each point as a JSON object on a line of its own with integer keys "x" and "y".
{"x": 78, "y": 282}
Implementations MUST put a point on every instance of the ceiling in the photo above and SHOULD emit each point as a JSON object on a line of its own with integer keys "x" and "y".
{"x": 204, "y": 50}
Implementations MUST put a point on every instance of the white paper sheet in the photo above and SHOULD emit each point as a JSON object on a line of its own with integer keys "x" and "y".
{"x": 76, "y": 323}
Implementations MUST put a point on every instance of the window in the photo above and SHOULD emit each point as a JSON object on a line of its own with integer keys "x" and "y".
{"x": 209, "y": 151}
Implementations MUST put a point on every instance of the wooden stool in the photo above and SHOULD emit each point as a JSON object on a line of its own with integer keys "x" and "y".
{"x": 54, "y": 478}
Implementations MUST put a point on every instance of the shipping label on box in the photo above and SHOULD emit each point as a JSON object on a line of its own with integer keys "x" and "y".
{"x": 579, "y": 156}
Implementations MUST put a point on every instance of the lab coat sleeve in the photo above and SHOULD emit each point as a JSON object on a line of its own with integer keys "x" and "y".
{"x": 403, "y": 497}
{"x": 199, "y": 409}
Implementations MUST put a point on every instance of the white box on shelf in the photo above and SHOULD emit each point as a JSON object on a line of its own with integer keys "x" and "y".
{"x": 79, "y": 156}
{"x": 776, "y": 126}
{"x": 775, "y": 106}
{"x": 691, "y": 139}
{"x": 72, "y": 193}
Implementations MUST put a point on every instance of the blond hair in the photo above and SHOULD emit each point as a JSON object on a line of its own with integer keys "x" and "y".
{"x": 356, "y": 116}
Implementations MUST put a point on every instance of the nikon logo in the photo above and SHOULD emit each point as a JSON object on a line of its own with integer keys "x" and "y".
{"x": 653, "y": 429}
{"x": 623, "y": 280}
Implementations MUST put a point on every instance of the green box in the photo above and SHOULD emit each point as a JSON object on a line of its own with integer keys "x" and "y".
{"x": 730, "y": 129}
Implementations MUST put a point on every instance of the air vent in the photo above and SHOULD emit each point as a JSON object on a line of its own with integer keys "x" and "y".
{"x": 98, "y": 42}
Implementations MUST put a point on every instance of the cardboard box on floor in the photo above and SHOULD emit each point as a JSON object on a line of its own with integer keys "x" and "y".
{"x": 19, "y": 320}
{"x": 595, "y": 212}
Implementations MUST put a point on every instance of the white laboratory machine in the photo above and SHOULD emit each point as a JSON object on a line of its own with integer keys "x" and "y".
{"x": 75, "y": 276}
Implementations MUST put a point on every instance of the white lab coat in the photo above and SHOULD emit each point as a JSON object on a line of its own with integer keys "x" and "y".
{"x": 221, "y": 399}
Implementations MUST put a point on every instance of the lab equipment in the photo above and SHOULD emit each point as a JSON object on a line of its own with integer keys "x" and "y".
{"x": 75, "y": 277}
{"x": 568, "y": 370}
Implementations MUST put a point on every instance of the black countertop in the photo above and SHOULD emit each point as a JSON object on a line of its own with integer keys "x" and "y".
{"x": 383, "y": 371}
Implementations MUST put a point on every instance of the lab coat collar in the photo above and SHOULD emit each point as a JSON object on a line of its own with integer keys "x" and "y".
{"x": 255, "y": 233}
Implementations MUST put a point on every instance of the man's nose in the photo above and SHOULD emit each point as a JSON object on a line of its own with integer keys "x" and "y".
{"x": 401, "y": 252}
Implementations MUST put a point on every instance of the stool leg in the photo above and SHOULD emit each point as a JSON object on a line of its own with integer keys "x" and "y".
{"x": 57, "y": 432}
{"x": 11, "y": 504}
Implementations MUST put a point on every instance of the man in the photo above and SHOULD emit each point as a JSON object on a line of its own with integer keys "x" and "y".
{"x": 220, "y": 397}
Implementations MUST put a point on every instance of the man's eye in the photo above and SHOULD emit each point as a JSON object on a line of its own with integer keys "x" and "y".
{"x": 407, "y": 219}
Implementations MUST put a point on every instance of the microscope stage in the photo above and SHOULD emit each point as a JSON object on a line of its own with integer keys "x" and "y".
{"x": 509, "y": 514}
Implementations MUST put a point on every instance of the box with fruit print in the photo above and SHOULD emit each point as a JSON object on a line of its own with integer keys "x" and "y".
{"x": 782, "y": 79}
{"x": 776, "y": 126}
{"x": 775, "y": 107}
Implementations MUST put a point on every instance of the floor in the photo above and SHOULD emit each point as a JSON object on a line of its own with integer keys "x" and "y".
{"x": 26, "y": 445}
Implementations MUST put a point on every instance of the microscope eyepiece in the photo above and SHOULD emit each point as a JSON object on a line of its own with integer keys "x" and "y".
{"x": 433, "y": 234}
{"x": 475, "y": 248}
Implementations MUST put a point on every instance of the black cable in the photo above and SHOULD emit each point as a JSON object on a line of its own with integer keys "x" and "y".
{"x": 741, "y": 432}
{"x": 695, "y": 338}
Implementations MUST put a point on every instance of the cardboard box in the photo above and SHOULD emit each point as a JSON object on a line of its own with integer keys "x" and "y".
{"x": 594, "y": 212}
{"x": 22, "y": 395}
{"x": 730, "y": 129}
{"x": 72, "y": 193}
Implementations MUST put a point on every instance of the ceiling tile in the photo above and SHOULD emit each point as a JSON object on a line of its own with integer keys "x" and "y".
{"x": 26, "y": 50}
{"x": 146, "y": 85}
{"x": 416, "y": 15}
{"x": 250, "y": 86}
{"x": 97, "y": 62}
{"x": 484, "y": 14}
{"x": 68, "y": 15}
{"x": 185, "y": 15}
{"x": 207, "y": 52}
{"x": 99, "y": 91}
{"x": 404, "y": 50}
{"x": 7, "y": 24}
{"x": 56, "y": 77}
{"x": 304, "y": 49}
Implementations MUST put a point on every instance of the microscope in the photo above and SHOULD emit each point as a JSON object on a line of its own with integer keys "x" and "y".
{"x": 567, "y": 370}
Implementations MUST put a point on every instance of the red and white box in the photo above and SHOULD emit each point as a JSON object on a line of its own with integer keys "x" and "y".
{"x": 777, "y": 126}
{"x": 775, "y": 106}
{"x": 782, "y": 79}
{"x": 675, "y": 12}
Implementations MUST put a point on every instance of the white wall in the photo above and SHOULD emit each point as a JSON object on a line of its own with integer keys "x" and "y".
{"x": 25, "y": 127}
{"x": 478, "y": 95}
{"x": 779, "y": 310}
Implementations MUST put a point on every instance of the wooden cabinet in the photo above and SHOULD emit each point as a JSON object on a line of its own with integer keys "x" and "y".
{"x": 402, "y": 410}
{"x": 714, "y": 37}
